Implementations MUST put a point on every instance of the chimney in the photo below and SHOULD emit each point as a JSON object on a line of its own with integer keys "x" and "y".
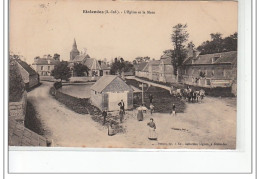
{"x": 99, "y": 62}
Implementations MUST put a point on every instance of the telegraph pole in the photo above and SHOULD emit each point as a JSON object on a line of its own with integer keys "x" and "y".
{"x": 142, "y": 93}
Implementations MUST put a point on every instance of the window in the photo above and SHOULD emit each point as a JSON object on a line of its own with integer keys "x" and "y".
{"x": 41, "y": 67}
{"x": 48, "y": 67}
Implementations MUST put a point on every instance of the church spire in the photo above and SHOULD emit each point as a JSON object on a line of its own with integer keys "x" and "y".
{"x": 74, "y": 52}
{"x": 74, "y": 47}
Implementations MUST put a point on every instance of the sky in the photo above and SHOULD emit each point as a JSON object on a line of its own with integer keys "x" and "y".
{"x": 46, "y": 27}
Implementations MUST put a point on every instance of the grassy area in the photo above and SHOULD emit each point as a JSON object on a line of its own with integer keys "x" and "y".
{"x": 78, "y": 105}
{"x": 31, "y": 121}
{"x": 162, "y": 100}
{"x": 83, "y": 106}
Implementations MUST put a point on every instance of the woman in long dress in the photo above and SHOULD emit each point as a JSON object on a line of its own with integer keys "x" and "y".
{"x": 140, "y": 115}
{"x": 152, "y": 132}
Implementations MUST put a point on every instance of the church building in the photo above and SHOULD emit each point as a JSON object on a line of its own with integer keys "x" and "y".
{"x": 96, "y": 67}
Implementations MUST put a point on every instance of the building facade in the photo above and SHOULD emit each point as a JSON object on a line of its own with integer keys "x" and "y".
{"x": 108, "y": 91}
{"x": 44, "y": 66}
{"x": 210, "y": 70}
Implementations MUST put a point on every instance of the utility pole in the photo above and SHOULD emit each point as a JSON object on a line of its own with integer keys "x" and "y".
{"x": 142, "y": 93}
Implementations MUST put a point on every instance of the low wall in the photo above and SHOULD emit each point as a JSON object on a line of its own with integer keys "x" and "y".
{"x": 47, "y": 78}
{"x": 84, "y": 78}
{"x": 17, "y": 110}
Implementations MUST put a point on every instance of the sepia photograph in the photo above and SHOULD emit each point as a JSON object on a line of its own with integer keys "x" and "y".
{"x": 123, "y": 74}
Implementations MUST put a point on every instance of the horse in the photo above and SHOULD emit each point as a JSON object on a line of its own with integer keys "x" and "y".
{"x": 200, "y": 94}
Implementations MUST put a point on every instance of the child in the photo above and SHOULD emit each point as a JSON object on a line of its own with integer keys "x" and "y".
{"x": 173, "y": 110}
{"x": 151, "y": 108}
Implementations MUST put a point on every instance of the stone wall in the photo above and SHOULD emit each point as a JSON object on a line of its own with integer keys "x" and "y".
{"x": 17, "y": 110}
{"x": 84, "y": 79}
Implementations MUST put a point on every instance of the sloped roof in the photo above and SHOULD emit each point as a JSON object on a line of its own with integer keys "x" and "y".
{"x": 44, "y": 61}
{"x": 224, "y": 57}
{"x": 92, "y": 63}
{"x": 18, "y": 135}
{"x": 104, "y": 66}
{"x": 167, "y": 61}
{"x": 110, "y": 83}
{"x": 146, "y": 68}
{"x": 141, "y": 66}
{"x": 81, "y": 58}
{"x": 27, "y": 67}
{"x": 155, "y": 62}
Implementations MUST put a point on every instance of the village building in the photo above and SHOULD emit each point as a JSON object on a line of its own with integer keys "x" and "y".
{"x": 44, "y": 66}
{"x": 105, "y": 68}
{"x": 210, "y": 70}
{"x": 108, "y": 91}
{"x": 29, "y": 76}
{"x": 153, "y": 70}
{"x": 139, "y": 69}
{"x": 96, "y": 68}
{"x": 166, "y": 71}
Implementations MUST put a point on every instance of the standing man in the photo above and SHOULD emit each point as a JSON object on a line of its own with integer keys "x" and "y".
{"x": 122, "y": 105}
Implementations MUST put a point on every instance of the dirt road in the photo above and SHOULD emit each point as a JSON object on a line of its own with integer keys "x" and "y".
{"x": 209, "y": 125}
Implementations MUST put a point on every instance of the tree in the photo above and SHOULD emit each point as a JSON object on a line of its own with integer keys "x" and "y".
{"x": 56, "y": 56}
{"x": 61, "y": 71}
{"x": 118, "y": 66}
{"x": 16, "y": 83}
{"x": 179, "y": 37}
{"x": 80, "y": 69}
{"x": 217, "y": 44}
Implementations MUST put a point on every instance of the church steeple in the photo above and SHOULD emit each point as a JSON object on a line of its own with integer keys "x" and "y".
{"x": 74, "y": 45}
{"x": 74, "y": 52}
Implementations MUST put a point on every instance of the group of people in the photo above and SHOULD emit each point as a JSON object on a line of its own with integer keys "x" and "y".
{"x": 140, "y": 116}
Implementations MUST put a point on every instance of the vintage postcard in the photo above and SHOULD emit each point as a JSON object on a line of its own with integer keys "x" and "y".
{"x": 123, "y": 74}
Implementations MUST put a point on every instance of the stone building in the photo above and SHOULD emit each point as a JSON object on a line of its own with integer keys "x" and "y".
{"x": 108, "y": 91}
{"x": 210, "y": 70}
{"x": 44, "y": 66}
{"x": 30, "y": 76}
{"x": 96, "y": 67}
